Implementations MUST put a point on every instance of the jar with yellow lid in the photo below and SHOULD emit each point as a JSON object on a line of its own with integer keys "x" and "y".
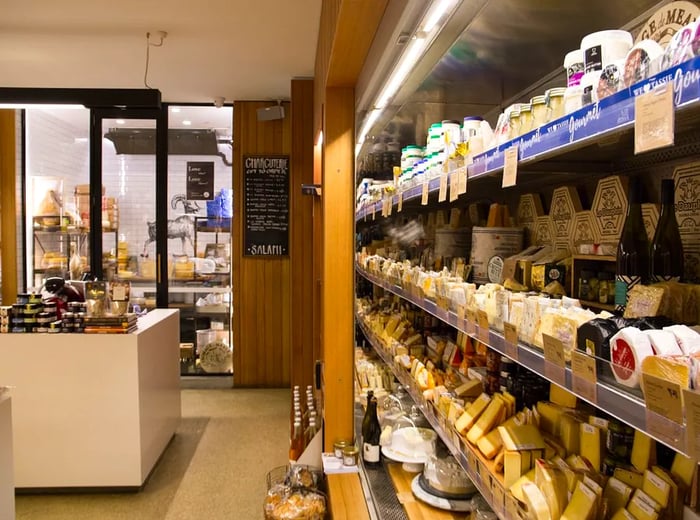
{"x": 525, "y": 118}
{"x": 555, "y": 103}
{"x": 538, "y": 109}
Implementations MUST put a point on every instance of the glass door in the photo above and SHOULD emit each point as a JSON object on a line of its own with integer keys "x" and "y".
{"x": 199, "y": 208}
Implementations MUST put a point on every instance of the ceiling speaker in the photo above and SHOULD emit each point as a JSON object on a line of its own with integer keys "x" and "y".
{"x": 271, "y": 113}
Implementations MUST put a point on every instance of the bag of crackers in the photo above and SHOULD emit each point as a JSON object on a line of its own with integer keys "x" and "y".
{"x": 293, "y": 494}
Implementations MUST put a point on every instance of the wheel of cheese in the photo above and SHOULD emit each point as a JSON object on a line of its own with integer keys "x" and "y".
{"x": 628, "y": 347}
{"x": 663, "y": 343}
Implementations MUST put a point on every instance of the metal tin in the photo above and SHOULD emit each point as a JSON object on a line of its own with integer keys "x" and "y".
{"x": 350, "y": 455}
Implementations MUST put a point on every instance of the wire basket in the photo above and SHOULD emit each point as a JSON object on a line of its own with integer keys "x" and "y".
{"x": 296, "y": 476}
{"x": 293, "y": 493}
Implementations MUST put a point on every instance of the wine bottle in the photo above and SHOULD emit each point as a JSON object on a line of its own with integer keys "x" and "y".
{"x": 666, "y": 253}
{"x": 371, "y": 432}
{"x": 632, "y": 251}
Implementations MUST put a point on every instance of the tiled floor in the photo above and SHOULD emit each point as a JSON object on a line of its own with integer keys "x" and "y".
{"x": 214, "y": 468}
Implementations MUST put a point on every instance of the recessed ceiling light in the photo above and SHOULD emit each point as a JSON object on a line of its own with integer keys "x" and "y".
{"x": 175, "y": 110}
{"x": 120, "y": 121}
{"x": 187, "y": 122}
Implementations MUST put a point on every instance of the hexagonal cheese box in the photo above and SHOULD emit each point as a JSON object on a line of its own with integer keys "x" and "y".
{"x": 610, "y": 208}
{"x": 565, "y": 204}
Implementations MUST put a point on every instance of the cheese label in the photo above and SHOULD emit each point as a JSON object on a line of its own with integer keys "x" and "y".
{"x": 462, "y": 176}
{"x": 654, "y": 119}
{"x": 373, "y": 208}
{"x": 663, "y": 397}
{"x": 585, "y": 379}
{"x": 483, "y": 321}
{"x": 589, "y": 428}
{"x": 399, "y": 207}
{"x": 461, "y": 312}
{"x": 442, "y": 194}
{"x": 588, "y": 492}
{"x": 593, "y": 485}
{"x": 601, "y": 423}
{"x": 657, "y": 482}
{"x": 553, "y": 350}
{"x": 454, "y": 178}
{"x": 425, "y": 193}
{"x": 510, "y": 167}
{"x": 511, "y": 336}
{"x": 471, "y": 321}
{"x": 692, "y": 411}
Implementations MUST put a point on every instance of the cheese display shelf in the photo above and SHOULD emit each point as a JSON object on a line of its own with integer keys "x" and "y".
{"x": 620, "y": 404}
{"x": 488, "y": 483}
{"x": 603, "y": 120}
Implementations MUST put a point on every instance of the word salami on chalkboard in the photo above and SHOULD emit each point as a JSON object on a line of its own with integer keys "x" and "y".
{"x": 266, "y": 205}
{"x": 200, "y": 180}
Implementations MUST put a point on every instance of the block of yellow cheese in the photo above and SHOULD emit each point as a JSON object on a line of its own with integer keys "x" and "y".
{"x": 622, "y": 514}
{"x": 570, "y": 433}
{"x": 471, "y": 388}
{"x": 675, "y": 505}
{"x": 517, "y": 487}
{"x": 643, "y": 451}
{"x": 472, "y": 413}
{"x": 515, "y": 465}
{"x": 521, "y": 437}
{"x": 490, "y": 444}
{"x": 670, "y": 368}
{"x": 561, "y": 396}
{"x": 572, "y": 477}
{"x": 498, "y": 461}
{"x": 657, "y": 488}
{"x": 639, "y": 494}
{"x": 591, "y": 445}
{"x": 597, "y": 490}
{"x": 582, "y": 505}
{"x": 683, "y": 469}
{"x": 631, "y": 478}
{"x": 536, "y": 502}
{"x": 552, "y": 482}
{"x": 617, "y": 494}
{"x": 641, "y": 510}
{"x": 550, "y": 415}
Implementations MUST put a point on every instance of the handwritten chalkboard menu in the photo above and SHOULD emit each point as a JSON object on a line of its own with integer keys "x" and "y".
{"x": 266, "y": 205}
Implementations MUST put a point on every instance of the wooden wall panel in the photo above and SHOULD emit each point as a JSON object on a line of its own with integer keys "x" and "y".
{"x": 301, "y": 239}
{"x": 8, "y": 215}
{"x": 261, "y": 286}
{"x": 337, "y": 318}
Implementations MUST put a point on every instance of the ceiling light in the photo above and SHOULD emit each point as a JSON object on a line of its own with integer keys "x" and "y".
{"x": 19, "y": 106}
{"x": 120, "y": 121}
{"x": 398, "y": 75}
{"x": 175, "y": 110}
{"x": 437, "y": 10}
{"x": 187, "y": 122}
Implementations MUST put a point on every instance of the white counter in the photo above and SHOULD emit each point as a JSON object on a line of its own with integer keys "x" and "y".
{"x": 93, "y": 410}
{"x": 7, "y": 478}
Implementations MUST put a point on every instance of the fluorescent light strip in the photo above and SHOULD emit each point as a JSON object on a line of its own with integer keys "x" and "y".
{"x": 437, "y": 11}
{"x": 372, "y": 117}
{"x": 399, "y": 74}
{"x": 20, "y": 106}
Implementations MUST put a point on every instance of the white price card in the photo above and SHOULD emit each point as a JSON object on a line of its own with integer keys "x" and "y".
{"x": 454, "y": 178}
{"x": 399, "y": 205}
{"x": 510, "y": 167}
{"x": 654, "y": 119}
{"x": 442, "y": 195}
{"x": 464, "y": 175}
{"x": 389, "y": 205}
{"x": 426, "y": 192}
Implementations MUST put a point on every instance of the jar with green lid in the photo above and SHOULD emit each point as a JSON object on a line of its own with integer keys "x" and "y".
{"x": 555, "y": 103}
{"x": 514, "y": 124}
{"x": 538, "y": 108}
{"x": 525, "y": 118}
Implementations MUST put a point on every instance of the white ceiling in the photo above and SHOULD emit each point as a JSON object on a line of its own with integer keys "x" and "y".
{"x": 236, "y": 49}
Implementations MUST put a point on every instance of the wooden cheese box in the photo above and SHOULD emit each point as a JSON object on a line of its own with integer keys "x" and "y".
{"x": 610, "y": 208}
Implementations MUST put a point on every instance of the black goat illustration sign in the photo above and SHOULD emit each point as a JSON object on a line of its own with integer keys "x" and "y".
{"x": 181, "y": 227}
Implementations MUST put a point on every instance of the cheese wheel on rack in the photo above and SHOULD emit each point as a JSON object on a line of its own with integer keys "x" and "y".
{"x": 663, "y": 342}
{"x": 628, "y": 348}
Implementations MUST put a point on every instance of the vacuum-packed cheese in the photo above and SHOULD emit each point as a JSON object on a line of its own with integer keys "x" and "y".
{"x": 628, "y": 348}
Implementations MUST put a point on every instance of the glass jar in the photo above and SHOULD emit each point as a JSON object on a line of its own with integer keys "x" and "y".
{"x": 350, "y": 455}
{"x": 338, "y": 447}
{"x": 538, "y": 109}
{"x": 606, "y": 287}
{"x": 555, "y": 103}
{"x": 514, "y": 124}
{"x": 584, "y": 286}
{"x": 525, "y": 118}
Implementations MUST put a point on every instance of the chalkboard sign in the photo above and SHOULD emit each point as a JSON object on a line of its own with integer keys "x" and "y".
{"x": 200, "y": 180}
{"x": 266, "y": 205}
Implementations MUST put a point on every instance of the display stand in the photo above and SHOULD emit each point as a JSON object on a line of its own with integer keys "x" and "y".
{"x": 7, "y": 478}
{"x": 93, "y": 410}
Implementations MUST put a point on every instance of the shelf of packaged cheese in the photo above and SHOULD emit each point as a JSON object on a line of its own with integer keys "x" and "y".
{"x": 620, "y": 404}
{"x": 487, "y": 482}
{"x": 591, "y": 124}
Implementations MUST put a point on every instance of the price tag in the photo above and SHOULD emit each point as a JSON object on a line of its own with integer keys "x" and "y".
{"x": 654, "y": 119}
{"x": 471, "y": 321}
{"x": 667, "y": 431}
{"x": 692, "y": 420}
{"x": 663, "y": 397}
{"x": 510, "y": 167}
{"x": 554, "y": 360}
{"x": 399, "y": 207}
{"x": 584, "y": 376}
{"x": 483, "y": 321}
{"x": 426, "y": 192}
{"x": 464, "y": 174}
{"x": 442, "y": 195}
{"x": 461, "y": 312}
{"x": 498, "y": 494}
{"x": 454, "y": 181}
{"x": 511, "y": 334}
{"x": 373, "y": 205}
{"x": 389, "y": 205}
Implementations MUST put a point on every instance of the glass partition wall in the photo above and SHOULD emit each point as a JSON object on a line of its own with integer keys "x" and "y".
{"x": 171, "y": 239}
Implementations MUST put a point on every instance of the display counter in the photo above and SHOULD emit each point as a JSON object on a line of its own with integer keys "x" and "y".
{"x": 7, "y": 478}
{"x": 93, "y": 410}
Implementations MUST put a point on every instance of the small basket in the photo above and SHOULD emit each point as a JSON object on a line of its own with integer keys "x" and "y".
{"x": 284, "y": 475}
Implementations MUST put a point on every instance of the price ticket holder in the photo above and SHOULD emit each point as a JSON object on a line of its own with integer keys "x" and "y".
{"x": 584, "y": 376}
{"x": 510, "y": 332}
{"x": 483, "y": 321}
{"x": 664, "y": 411}
{"x": 554, "y": 360}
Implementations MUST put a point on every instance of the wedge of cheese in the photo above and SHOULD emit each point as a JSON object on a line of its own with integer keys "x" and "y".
{"x": 582, "y": 505}
{"x": 617, "y": 494}
{"x": 490, "y": 444}
{"x": 516, "y": 464}
{"x": 472, "y": 388}
{"x": 671, "y": 368}
{"x": 550, "y": 416}
{"x": 631, "y": 478}
{"x": 572, "y": 477}
{"x": 552, "y": 482}
{"x": 592, "y": 445}
{"x": 641, "y": 510}
{"x": 472, "y": 413}
{"x": 622, "y": 514}
{"x": 676, "y": 497}
{"x": 498, "y": 461}
{"x": 561, "y": 396}
{"x": 521, "y": 437}
{"x": 536, "y": 502}
{"x": 683, "y": 469}
{"x": 570, "y": 433}
{"x": 643, "y": 451}
{"x": 517, "y": 488}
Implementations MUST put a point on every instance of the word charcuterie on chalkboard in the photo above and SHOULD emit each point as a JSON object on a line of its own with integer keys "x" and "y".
{"x": 266, "y": 205}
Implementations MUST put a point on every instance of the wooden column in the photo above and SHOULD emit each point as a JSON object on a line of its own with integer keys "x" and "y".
{"x": 261, "y": 286}
{"x": 337, "y": 292}
{"x": 8, "y": 210}
{"x": 301, "y": 237}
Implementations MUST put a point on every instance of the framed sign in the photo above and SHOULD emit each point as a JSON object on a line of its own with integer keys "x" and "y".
{"x": 200, "y": 180}
{"x": 266, "y": 205}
